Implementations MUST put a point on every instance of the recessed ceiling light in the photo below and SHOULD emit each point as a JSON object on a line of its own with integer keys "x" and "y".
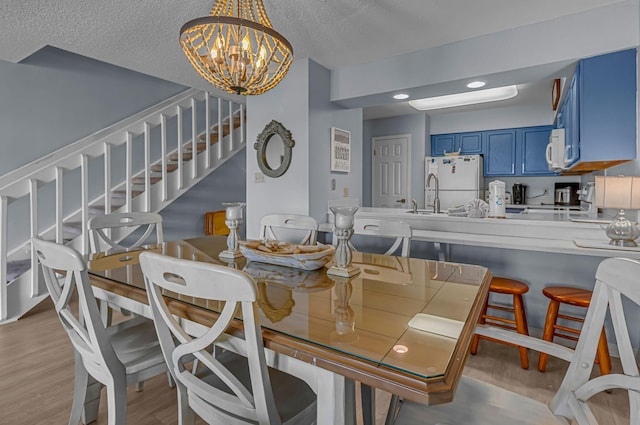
{"x": 400, "y": 96}
{"x": 476, "y": 84}
{"x": 468, "y": 98}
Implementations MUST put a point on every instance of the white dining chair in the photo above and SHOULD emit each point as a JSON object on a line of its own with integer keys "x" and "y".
{"x": 476, "y": 402}
{"x": 290, "y": 226}
{"x": 115, "y": 356}
{"x": 232, "y": 384}
{"x": 397, "y": 231}
{"x": 107, "y": 231}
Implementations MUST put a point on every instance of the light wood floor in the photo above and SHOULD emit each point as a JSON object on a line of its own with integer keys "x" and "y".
{"x": 36, "y": 378}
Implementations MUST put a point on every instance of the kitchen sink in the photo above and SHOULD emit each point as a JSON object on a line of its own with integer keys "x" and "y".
{"x": 425, "y": 212}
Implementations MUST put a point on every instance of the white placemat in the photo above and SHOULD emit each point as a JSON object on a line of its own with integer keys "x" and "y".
{"x": 437, "y": 325}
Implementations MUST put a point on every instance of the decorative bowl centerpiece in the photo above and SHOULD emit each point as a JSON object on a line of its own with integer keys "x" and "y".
{"x": 305, "y": 257}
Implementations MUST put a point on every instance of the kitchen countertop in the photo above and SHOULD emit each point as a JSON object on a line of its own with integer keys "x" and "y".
{"x": 544, "y": 232}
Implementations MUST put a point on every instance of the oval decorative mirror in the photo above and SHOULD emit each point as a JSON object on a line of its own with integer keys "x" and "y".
{"x": 273, "y": 146}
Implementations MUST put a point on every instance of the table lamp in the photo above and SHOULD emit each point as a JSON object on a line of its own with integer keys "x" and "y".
{"x": 622, "y": 193}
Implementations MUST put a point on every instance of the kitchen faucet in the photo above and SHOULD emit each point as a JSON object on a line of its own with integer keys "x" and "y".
{"x": 436, "y": 201}
{"x": 414, "y": 206}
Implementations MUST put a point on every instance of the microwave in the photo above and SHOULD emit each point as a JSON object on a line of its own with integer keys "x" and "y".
{"x": 557, "y": 151}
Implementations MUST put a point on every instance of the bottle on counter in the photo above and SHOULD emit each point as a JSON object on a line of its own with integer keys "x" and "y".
{"x": 497, "y": 208}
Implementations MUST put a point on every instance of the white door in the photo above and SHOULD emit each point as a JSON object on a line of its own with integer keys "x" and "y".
{"x": 390, "y": 183}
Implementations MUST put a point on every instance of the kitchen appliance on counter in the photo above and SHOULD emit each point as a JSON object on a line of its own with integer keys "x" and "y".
{"x": 519, "y": 193}
{"x": 497, "y": 208}
{"x": 567, "y": 194}
{"x": 460, "y": 179}
{"x": 587, "y": 196}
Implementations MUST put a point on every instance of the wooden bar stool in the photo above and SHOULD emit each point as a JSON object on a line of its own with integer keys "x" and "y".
{"x": 573, "y": 296}
{"x": 502, "y": 285}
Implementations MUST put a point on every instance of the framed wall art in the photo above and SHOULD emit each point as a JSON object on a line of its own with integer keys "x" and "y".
{"x": 340, "y": 150}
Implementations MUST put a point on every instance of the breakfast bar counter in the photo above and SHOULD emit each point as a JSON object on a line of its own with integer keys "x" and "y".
{"x": 540, "y": 232}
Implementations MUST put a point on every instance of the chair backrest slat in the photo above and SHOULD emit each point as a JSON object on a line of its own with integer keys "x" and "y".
{"x": 386, "y": 229}
{"x": 104, "y": 230}
{"x": 269, "y": 224}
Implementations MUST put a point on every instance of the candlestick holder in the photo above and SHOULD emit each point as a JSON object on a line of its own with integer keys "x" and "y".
{"x": 343, "y": 230}
{"x": 233, "y": 220}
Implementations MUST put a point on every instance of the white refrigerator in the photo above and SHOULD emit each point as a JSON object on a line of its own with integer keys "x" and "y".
{"x": 460, "y": 180}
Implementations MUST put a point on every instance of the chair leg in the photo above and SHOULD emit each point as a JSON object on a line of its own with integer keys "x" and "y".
{"x": 117, "y": 403}
{"x": 79, "y": 392}
{"x": 368, "y": 397}
{"x": 549, "y": 330}
{"x": 521, "y": 327}
{"x": 476, "y": 339}
{"x": 603, "y": 354}
{"x": 186, "y": 416}
{"x": 393, "y": 410}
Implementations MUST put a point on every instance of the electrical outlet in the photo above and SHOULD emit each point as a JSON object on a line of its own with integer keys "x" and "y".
{"x": 345, "y": 192}
{"x": 258, "y": 178}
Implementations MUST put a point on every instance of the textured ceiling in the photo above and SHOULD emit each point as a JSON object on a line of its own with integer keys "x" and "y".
{"x": 142, "y": 35}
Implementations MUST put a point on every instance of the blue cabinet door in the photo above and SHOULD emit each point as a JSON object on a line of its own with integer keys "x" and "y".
{"x": 607, "y": 87}
{"x": 470, "y": 143}
{"x": 500, "y": 153}
{"x": 442, "y": 143}
{"x": 533, "y": 146}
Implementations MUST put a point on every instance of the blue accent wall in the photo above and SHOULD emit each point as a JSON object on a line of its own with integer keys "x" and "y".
{"x": 55, "y": 97}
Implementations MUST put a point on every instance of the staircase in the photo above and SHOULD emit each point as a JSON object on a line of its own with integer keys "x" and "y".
{"x": 142, "y": 163}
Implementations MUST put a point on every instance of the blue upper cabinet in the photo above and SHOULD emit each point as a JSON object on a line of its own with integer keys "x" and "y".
{"x": 467, "y": 143}
{"x": 533, "y": 146}
{"x": 470, "y": 143}
{"x": 500, "y": 153}
{"x": 599, "y": 112}
{"x": 442, "y": 143}
{"x": 507, "y": 152}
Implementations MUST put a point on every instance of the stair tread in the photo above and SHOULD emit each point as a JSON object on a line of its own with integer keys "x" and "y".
{"x": 123, "y": 193}
{"x": 186, "y": 156}
{"x": 171, "y": 166}
{"x": 140, "y": 180}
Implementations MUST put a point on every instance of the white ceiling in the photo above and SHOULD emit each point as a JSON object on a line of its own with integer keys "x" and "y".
{"x": 142, "y": 35}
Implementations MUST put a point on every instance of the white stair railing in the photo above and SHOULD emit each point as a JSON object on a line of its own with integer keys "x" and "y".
{"x": 148, "y": 160}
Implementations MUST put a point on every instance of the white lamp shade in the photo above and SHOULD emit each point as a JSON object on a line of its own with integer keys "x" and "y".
{"x": 622, "y": 192}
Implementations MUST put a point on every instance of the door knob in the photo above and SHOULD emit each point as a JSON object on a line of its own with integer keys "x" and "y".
{"x": 402, "y": 200}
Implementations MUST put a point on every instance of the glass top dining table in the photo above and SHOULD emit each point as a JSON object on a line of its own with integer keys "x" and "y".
{"x": 403, "y": 324}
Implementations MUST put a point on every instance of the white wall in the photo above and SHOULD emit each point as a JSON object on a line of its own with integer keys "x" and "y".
{"x": 491, "y": 119}
{"x": 323, "y": 116}
{"x": 300, "y": 102}
{"x": 288, "y": 103}
{"x": 567, "y": 38}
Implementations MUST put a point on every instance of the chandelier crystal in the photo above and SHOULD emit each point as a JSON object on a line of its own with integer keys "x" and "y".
{"x": 236, "y": 49}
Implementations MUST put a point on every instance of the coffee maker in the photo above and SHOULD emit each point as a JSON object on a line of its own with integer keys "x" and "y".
{"x": 519, "y": 194}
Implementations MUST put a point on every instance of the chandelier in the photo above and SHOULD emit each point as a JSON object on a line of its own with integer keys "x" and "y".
{"x": 236, "y": 49}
